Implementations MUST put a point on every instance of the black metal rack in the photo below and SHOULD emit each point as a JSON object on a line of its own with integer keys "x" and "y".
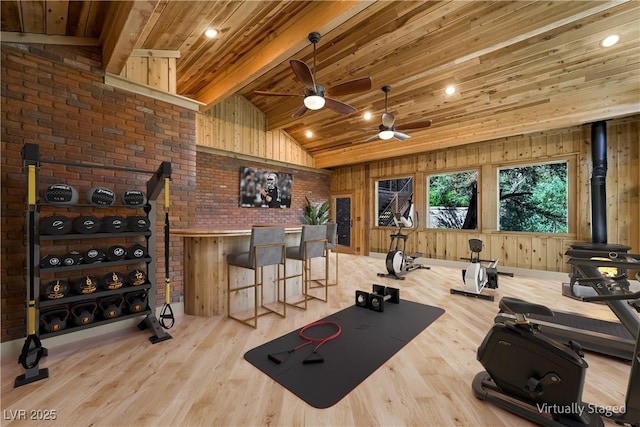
{"x": 33, "y": 351}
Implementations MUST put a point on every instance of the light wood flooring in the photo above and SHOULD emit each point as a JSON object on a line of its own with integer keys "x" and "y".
{"x": 199, "y": 378}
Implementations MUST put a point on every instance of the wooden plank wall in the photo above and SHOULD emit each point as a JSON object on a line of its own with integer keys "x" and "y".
{"x": 522, "y": 250}
{"x": 237, "y": 126}
{"x": 152, "y": 68}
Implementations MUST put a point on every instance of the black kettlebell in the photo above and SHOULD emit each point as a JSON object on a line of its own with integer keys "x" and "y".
{"x": 136, "y": 301}
{"x": 84, "y": 313}
{"x": 111, "y": 307}
{"x": 55, "y": 319}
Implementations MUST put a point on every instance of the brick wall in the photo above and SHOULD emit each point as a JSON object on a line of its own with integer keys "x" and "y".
{"x": 218, "y": 193}
{"x": 54, "y": 96}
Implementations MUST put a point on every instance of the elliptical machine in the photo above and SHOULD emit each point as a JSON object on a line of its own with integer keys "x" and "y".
{"x": 477, "y": 276}
{"x": 540, "y": 379}
{"x": 398, "y": 263}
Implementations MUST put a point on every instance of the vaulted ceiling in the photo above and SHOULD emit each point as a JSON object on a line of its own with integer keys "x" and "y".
{"x": 518, "y": 66}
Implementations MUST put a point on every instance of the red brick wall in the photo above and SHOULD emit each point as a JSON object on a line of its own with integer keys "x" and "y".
{"x": 218, "y": 193}
{"x": 54, "y": 96}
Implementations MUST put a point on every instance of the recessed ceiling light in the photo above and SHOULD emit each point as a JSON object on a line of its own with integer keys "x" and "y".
{"x": 450, "y": 90}
{"x": 367, "y": 115}
{"x": 211, "y": 33}
{"x": 610, "y": 40}
{"x": 309, "y": 134}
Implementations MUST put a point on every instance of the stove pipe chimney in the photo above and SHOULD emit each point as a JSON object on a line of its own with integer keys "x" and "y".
{"x": 598, "y": 182}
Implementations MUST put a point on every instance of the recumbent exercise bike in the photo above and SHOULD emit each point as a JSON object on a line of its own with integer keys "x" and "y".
{"x": 541, "y": 379}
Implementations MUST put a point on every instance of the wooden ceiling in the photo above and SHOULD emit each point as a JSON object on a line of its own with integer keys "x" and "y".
{"x": 518, "y": 66}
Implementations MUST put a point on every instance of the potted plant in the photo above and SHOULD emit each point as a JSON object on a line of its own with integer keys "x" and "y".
{"x": 316, "y": 214}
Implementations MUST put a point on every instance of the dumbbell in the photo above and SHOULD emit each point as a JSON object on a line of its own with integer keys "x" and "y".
{"x": 375, "y": 300}
{"x": 137, "y": 251}
{"x": 116, "y": 253}
{"x": 114, "y": 224}
{"x": 94, "y": 255}
{"x": 50, "y": 261}
{"x": 55, "y": 225}
{"x": 72, "y": 258}
{"x": 138, "y": 223}
{"x": 86, "y": 224}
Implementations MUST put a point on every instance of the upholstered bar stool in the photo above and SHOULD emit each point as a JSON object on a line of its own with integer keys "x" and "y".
{"x": 313, "y": 244}
{"x": 267, "y": 247}
{"x": 332, "y": 242}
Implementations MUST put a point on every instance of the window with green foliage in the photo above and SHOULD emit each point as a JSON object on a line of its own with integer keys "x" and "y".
{"x": 453, "y": 200}
{"x": 534, "y": 198}
{"x": 393, "y": 196}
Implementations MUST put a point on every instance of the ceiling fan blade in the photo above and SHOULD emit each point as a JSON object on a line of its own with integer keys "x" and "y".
{"x": 265, "y": 93}
{"x": 352, "y": 86}
{"x": 338, "y": 106}
{"x": 300, "y": 111}
{"x": 304, "y": 74}
{"x": 388, "y": 120}
{"x": 400, "y": 136}
{"x": 415, "y": 125}
{"x": 372, "y": 138}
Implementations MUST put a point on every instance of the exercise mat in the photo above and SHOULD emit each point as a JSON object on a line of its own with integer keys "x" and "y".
{"x": 368, "y": 340}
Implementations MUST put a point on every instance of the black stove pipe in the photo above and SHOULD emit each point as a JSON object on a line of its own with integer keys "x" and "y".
{"x": 598, "y": 182}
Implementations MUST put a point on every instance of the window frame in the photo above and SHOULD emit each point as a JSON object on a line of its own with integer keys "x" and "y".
{"x": 478, "y": 172}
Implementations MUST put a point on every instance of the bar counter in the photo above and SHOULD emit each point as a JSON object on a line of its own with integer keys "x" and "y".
{"x": 205, "y": 264}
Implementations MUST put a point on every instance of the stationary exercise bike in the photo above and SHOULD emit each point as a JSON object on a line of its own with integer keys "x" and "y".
{"x": 398, "y": 263}
{"x": 539, "y": 378}
{"x": 477, "y": 276}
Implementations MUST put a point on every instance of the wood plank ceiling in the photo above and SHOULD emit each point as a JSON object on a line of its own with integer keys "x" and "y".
{"x": 518, "y": 66}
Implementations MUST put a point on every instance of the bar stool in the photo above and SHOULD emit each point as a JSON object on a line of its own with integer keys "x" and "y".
{"x": 267, "y": 247}
{"x": 313, "y": 244}
{"x": 332, "y": 242}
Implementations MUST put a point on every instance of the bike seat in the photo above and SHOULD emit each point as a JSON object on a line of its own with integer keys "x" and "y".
{"x": 515, "y": 305}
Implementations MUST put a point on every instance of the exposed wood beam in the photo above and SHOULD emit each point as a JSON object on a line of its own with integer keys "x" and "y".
{"x": 124, "y": 24}
{"x": 323, "y": 17}
{"x": 44, "y": 39}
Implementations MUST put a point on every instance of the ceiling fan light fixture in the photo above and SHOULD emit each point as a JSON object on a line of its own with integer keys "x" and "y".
{"x": 385, "y": 134}
{"x": 314, "y": 102}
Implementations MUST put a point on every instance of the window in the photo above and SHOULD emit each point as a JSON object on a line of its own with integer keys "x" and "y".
{"x": 393, "y": 196}
{"x": 453, "y": 200}
{"x": 534, "y": 198}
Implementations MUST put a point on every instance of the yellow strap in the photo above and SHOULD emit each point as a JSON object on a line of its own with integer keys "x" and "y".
{"x": 167, "y": 291}
{"x": 31, "y": 317}
{"x": 31, "y": 192}
{"x": 166, "y": 194}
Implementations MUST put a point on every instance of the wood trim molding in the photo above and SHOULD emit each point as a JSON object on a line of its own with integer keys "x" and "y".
{"x": 9, "y": 37}
{"x": 119, "y": 82}
{"x": 250, "y": 158}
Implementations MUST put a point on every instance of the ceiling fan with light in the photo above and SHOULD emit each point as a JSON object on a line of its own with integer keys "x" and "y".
{"x": 317, "y": 96}
{"x": 387, "y": 128}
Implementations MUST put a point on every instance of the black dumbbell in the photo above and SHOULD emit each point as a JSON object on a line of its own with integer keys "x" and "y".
{"x": 375, "y": 300}
{"x": 93, "y": 255}
{"x": 138, "y": 223}
{"x": 86, "y": 224}
{"x": 137, "y": 251}
{"x": 56, "y": 225}
{"x": 72, "y": 258}
{"x": 114, "y": 224}
{"x": 50, "y": 261}
{"x": 116, "y": 253}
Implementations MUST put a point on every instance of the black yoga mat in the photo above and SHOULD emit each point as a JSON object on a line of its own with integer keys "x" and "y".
{"x": 368, "y": 339}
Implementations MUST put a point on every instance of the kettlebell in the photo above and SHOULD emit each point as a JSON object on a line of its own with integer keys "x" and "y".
{"x": 84, "y": 312}
{"x": 55, "y": 319}
{"x": 111, "y": 307}
{"x": 136, "y": 301}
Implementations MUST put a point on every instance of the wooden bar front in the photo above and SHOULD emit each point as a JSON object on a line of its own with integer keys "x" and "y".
{"x": 205, "y": 265}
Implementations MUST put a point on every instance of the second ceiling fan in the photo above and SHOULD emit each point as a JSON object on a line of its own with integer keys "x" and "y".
{"x": 387, "y": 128}
{"x": 317, "y": 96}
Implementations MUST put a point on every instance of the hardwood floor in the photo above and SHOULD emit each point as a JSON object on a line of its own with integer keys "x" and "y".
{"x": 199, "y": 378}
